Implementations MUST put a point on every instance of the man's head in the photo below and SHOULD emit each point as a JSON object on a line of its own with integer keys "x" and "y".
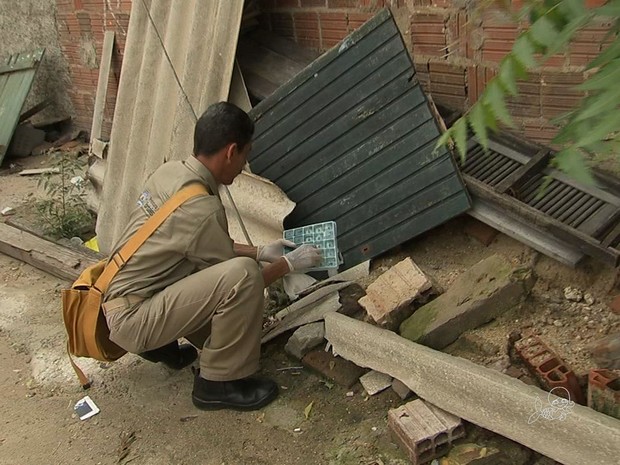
{"x": 222, "y": 140}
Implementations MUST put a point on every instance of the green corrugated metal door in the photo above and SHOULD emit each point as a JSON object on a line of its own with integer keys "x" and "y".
{"x": 352, "y": 139}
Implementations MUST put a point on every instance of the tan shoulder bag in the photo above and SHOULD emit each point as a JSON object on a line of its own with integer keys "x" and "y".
{"x": 87, "y": 330}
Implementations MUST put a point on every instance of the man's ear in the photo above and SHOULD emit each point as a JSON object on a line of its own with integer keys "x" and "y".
{"x": 230, "y": 150}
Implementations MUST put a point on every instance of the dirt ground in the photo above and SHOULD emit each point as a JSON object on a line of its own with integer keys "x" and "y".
{"x": 151, "y": 404}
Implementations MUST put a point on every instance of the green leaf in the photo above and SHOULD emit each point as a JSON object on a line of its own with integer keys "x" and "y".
{"x": 460, "y": 137}
{"x": 443, "y": 139}
{"x": 477, "y": 121}
{"x": 494, "y": 98}
{"x": 606, "y": 125}
{"x": 607, "y": 55}
{"x": 544, "y": 32}
{"x": 523, "y": 51}
{"x": 598, "y": 104}
{"x": 573, "y": 9}
{"x": 606, "y": 77}
{"x": 508, "y": 75}
{"x": 611, "y": 8}
{"x": 566, "y": 34}
{"x": 573, "y": 163}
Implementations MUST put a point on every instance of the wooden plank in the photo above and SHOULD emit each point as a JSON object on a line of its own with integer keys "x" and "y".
{"x": 584, "y": 242}
{"x": 39, "y": 171}
{"x": 525, "y": 232}
{"x": 600, "y": 221}
{"x": 34, "y": 110}
{"x": 266, "y": 63}
{"x": 480, "y": 395}
{"x": 536, "y": 163}
{"x": 238, "y": 93}
{"x": 285, "y": 47}
{"x": 102, "y": 85}
{"x": 611, "y": 237}
{"x": 556, "y": 174}
{"x": 14, "y": 88}
{"x": 52, "y": 258}
{"x": 20, "y": 63}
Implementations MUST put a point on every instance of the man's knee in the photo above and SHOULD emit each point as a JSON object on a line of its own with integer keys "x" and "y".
{"x": 245, "y": 271}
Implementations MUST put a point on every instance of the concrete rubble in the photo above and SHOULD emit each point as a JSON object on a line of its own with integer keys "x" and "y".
{"x": 343, "y": 372}
{"x": 387, "y": 299}
{"x": 375, "y": 382}
{"x": 401, "y": 389}
{"x": 573, "y": 294}
{"x": 305, "y": 339}
{"x": 478, "y": 295}
{"x": 480, "y": 395}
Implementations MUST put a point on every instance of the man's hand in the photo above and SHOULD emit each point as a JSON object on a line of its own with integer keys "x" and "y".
{"x": 272, "y": 252}
{"x": 303, "y": 257}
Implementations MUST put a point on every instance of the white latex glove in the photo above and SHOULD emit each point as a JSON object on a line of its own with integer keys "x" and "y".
{"x": 303, "y": 257}
{"x": 272, "y": 252}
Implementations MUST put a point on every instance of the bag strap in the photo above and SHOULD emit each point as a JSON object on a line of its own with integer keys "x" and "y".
{"x": 119, "y": 259}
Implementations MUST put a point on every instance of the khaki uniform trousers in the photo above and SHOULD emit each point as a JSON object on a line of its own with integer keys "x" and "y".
{"x": 219, "y": 309}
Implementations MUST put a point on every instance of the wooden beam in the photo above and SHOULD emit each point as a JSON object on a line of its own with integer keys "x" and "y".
{"x": 583, "y": 242}
{"x": 102, "y": 85}
{"x": 525, "y": 232}
{"x": 479, "y": 395}
{"x": 537, "y": 163}
{"x": 34, "y": 110}
{"x": 47, "y": 256}
{"x": 39, "y": 171}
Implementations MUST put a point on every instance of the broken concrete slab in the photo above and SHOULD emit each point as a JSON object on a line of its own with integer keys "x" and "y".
{"x": 310, "y": 313}
{"x": 315, "y": 296}
{"x": 479, "y": 395}
{"x": 305, "y": 339}
{"x": 401, "y": 389}
{"x": 375, "y": 382}
{"x": 387, "y": 299}
{"x": 424, "y": 431}
{"x": 341, "y": 371}
{"x": 479, "y": 295}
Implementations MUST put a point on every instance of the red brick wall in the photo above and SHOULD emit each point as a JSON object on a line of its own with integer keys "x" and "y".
{"x": 455, "y": 52}
{"x": 81, "y": 28}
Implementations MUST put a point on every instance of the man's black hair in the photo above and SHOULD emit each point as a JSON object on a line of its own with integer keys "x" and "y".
{"x": 221, "y": 124}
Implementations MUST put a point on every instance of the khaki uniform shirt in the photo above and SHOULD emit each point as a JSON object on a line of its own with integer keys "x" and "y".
{"x": 193, "y": 237}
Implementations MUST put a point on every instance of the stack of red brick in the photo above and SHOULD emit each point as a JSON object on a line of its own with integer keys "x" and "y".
{"x": 455, "y": 50}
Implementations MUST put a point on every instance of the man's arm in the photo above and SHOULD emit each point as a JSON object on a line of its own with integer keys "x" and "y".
{"x": 271, "y": 271}
{"x": 242, "y": 250}
{"x": 274, "y": 271}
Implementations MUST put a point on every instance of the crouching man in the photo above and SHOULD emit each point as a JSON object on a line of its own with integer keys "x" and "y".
{"x": 189, "y": 279}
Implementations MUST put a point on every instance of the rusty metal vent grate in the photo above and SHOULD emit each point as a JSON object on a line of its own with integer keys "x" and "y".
{"x": 590, "y": 210}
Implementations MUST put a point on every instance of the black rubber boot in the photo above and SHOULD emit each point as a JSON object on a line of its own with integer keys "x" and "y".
{"x": 242, "y": 394}
{"x": 172, "y": 355}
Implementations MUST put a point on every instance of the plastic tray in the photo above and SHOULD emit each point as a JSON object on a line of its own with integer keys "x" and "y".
{"x": 322, "y": 236}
